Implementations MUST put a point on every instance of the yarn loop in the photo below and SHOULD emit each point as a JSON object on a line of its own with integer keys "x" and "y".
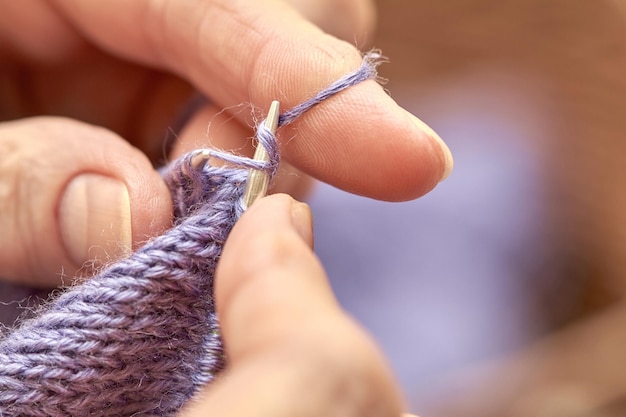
{"x": 142, "y": 336}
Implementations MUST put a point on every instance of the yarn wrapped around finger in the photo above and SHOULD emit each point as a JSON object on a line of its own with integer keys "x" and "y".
{"x": 142, "y": 336}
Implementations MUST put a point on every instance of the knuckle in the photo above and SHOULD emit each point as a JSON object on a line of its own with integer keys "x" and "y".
{"x": 314, "y": 62}
{"x": 28, "y": 180}
{"x": 19, "y": 180}
{"x": 18, "y": 184}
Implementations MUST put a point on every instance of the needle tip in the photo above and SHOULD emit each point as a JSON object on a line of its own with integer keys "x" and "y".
{"x": 258, "y": 181}
{"x": 272, "y": 116}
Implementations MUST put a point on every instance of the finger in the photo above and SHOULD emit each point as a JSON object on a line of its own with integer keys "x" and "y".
{"x": 240, "y": 51}
{"x": 212, "y": 127}
{"x": 290, "y": 180}
{"x": 291, "y": 349}
{"x": 72, "y": 193}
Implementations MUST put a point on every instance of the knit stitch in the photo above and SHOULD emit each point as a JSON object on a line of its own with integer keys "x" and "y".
{"x": 142, "y": 337}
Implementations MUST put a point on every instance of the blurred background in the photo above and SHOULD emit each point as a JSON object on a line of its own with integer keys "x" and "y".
{"x": 499, "y": 293}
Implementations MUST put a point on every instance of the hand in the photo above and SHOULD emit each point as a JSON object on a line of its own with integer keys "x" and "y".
{"x": 71, "y": 191}
{"x": 292, "y": 351}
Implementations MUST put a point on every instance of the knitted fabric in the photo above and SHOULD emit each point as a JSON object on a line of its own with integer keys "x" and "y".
{"x": 141, "y": 337}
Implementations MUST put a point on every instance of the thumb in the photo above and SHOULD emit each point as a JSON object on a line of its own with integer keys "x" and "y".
{"x": 292, "y": 351}
{"x": 72, "y": 196}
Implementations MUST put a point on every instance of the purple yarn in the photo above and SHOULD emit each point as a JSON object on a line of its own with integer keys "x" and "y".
{"x": 142, "y": 337}
{"x": 367, "y": 71}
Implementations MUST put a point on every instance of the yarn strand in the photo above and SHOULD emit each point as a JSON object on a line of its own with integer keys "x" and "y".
{"x": 142, "y": 336}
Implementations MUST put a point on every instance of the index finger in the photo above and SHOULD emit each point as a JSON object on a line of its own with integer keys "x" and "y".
{"x": 257, "y": 51}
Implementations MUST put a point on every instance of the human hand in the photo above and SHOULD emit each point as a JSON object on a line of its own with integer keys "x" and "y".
{"x": 70, "y": 191}
{"x": 291, "y": 349}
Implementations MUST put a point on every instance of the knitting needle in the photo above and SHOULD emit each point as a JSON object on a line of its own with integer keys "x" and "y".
{"x": 258, "y": 181}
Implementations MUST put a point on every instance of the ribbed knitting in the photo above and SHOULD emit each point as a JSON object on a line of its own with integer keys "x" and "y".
{"x": 141, "y": 337}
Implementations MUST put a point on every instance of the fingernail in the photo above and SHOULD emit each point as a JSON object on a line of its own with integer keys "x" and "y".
{"x": 94, "y": 219}
{"x": 447, "y": 155}
{"x": 302, "y": 221}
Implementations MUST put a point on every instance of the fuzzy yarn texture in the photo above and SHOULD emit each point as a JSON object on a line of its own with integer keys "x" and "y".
{"x": 142, "y": 337}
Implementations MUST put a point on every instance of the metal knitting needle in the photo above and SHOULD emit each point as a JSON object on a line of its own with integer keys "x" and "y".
{"x": 258, "y": 181}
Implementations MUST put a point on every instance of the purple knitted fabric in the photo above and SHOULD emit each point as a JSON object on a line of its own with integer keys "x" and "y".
{"x": 141, "y": 337}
